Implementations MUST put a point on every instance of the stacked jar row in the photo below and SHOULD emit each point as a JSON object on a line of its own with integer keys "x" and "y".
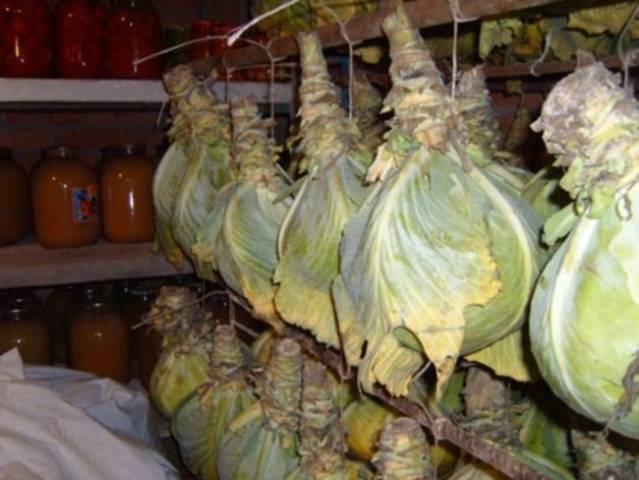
{"x": 81, "y": 39}
{"x": 71, "y": 203}
{"x": 94, "y": 328}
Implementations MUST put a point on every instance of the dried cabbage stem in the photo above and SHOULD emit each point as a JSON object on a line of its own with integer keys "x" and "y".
{"x": 418, "y": 97}
{"x": 179, "y": 82}
{"x": 251, "y": 142}
{"x": 282, "y": 387}
{"x": 322, "y": 446}
{"x": 323, "y": 120}
{"x": 174, "y": 310}
{"x": 227, "y": 358}
{"x": 403, "y": 452}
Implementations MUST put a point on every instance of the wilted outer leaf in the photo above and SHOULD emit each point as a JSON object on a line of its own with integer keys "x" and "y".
{"x": 542, "y": 435}
{"x": 508, "y": 357}
{"x": 608, "y": 18}
{"x": 497, "y": 33}
{"x": 587, "y": 297}
{"x": 437, "y": 250}
{"x": 332, "y": 191}
{"x": 165, "y": 186}
{"x": 176, "y": 374}
{"x": 544, "y": 194}
{"x": 240, "y": 236}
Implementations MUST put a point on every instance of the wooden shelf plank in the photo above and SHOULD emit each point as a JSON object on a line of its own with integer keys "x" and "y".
{"x": 31, "y": 265}
{"x": 543, "y": 68}
{"x": 43, "y": 91}
{"x": 423, "y": 13}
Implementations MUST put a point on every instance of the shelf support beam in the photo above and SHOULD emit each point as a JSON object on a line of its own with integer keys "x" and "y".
{"x": 423, "y": 13}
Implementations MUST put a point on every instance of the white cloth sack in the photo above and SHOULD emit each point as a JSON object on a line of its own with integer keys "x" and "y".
{"x": 60, "y": 424}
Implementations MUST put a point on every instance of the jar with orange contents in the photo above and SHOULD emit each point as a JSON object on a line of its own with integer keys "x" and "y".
{"x": 22, "y": 326}
{"x": 15, "y": 214}
{"x": 126, "y": 180}
{"x": 64, "y": 195}
{"x": 57, "y": 309}
{"x": 147, "y": 344}
{"x": 99, "y": 340}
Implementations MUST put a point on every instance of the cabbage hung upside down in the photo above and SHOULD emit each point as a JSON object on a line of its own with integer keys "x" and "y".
{"x": 322, "y": 449}
{"x": 331, "y": 193}
{"x": 201, "y": 419}
{"x": 239, "y": 236}
{"x": 179, "y": 83}
{"x": 208, "y": 170}
{"x": 183, "y": 364}
{"x": 584, "y": 322}
{"x": 262, "y": 441}
{"x": 438, "y": 261}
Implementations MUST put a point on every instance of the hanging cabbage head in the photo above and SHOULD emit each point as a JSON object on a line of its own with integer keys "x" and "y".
{"x": 332, "y": 191}
{"x": 262, "y": 441}
{"x": 179, "y": 83}
{"x": 208, "y": 169}
{"x": 201, "y": 418}
{"x": 440, "y": 260}
{"x": 584, "y": 322}
{"x": 239, "y": 237}
{"x": 184, "y": 362}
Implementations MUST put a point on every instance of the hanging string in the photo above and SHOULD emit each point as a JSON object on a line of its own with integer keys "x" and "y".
{"x": 453, "y": 88}
{"x": 158, "y": 120}
{"x": 458, "y": 17}
{"x": 625, "y": 58}
{"x": 343, "y": 30}
{"x": 237, "y": 32}
{"x": 179, "y": 46}
{"x": 544, "y": 54}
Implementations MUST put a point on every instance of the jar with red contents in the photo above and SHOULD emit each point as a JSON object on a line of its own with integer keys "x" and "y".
{"x": 133, "y": 32}
{"x": 202, "y": 28}
{"x": 25, "y": 40}
{"x": 80, "y": 38}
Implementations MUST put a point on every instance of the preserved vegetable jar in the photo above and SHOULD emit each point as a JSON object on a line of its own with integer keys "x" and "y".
{"x": 80, "y": 39}
{"x": 147, "y": 344}
{"x": 22, "y": 326}
{"x": 99, "y": 340}
{"x": 64, "y": 196}
{"x": 133, "y": 32}
{"x": 26, "y": 48}
{"x": 58, "y": 308}
{"x": 126, "y": 181}
{"x": 15, "y": 214}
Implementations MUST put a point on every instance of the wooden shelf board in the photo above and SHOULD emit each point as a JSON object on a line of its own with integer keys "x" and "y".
{"x": 43, "y": 91}
{"x": 543, "y": 68}
{"x": 423, "y": 14}
{"x": 31, "y": 265}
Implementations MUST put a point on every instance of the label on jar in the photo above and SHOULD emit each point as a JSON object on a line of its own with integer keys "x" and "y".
{"x": 84, "y": 204}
